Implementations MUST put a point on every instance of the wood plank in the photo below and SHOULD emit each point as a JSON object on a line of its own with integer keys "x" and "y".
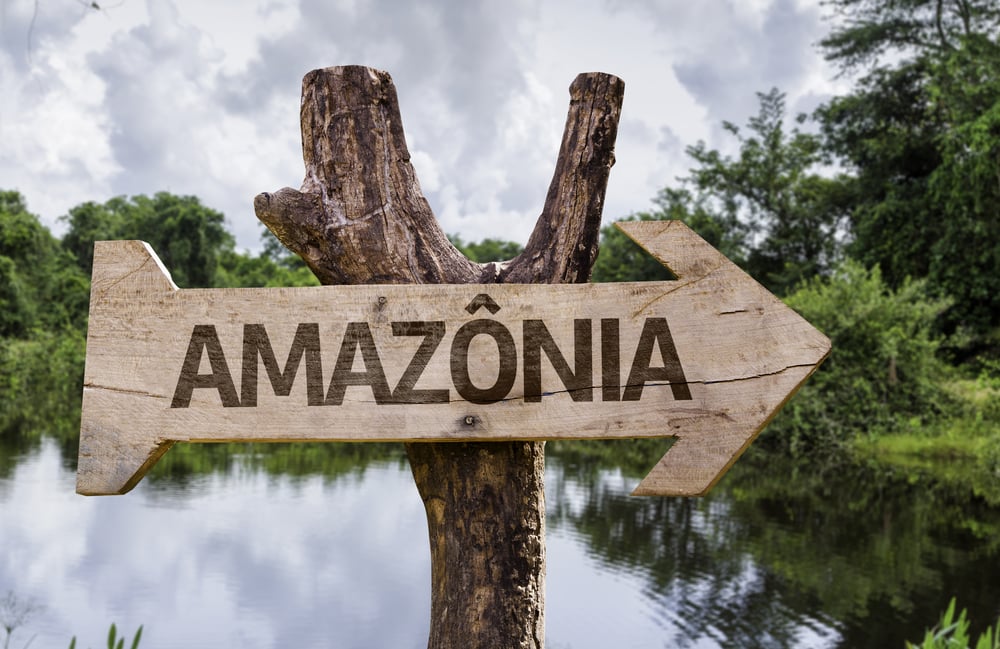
{"x": 167, "y": 365}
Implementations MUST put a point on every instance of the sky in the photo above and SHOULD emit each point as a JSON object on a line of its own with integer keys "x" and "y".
{"x": 201, "y": 97}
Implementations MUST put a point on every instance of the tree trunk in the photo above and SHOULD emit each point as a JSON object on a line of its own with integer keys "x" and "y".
{"x": 360, "y": 218}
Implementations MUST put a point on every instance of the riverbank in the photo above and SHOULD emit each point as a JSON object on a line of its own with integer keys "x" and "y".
{"x": 960, "y": 449}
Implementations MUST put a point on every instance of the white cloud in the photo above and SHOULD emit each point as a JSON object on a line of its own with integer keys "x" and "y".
{"x": 202, "y": 98}
{"x": 204, "y": 569}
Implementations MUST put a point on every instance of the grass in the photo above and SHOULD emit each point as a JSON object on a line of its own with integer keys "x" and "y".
{"x": 907, "y": 447}
{"x": 969, "y": 433}
{"x": 962, "y": 448}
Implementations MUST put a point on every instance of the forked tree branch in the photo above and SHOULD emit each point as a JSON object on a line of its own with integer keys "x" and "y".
{"x": 360, "y": 218}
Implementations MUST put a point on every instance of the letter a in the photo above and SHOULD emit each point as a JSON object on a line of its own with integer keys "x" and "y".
{"x": 656, "y": 330}
{"x": 358, "y": 336}
{"x": 204, "y": 337}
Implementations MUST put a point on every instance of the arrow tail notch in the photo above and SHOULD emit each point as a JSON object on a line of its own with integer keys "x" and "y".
{"x": 127, "y": 277}
{"x": 112, "y": 464}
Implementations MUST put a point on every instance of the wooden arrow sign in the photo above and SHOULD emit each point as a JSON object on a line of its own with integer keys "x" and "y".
{"x": 707, "y": 359}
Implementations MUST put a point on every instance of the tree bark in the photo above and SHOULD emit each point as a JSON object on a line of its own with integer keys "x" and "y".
{"x": 360, "y": 218}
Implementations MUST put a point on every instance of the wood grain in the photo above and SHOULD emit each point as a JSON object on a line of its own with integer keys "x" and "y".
{"x": 359, "y": 217}
{"x": 742, "y": 351}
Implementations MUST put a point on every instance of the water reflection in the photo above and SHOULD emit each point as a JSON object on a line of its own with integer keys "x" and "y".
{"x": 235, "y": 559}
{"x": 319, "y": 546}
{"x": 701, "y": 585}
{"x": 787, "y": 556}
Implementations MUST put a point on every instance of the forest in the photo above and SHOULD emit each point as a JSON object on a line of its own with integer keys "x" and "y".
{"x": 877, "y": 217}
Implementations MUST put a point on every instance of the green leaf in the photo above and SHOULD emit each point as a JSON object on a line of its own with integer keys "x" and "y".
{"x": 138, "y": 635}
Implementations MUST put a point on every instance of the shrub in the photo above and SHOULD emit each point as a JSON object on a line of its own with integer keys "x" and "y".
{"x": 882, "y": 373}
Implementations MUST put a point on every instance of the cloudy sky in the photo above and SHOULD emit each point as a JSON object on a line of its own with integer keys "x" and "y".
{"x": 201, "y": 96}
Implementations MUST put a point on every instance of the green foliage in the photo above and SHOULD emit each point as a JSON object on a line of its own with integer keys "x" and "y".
{"x": 857, "y": 541}
{"x": 186, "y": 235}
{"x": 965, "y": 89}
{"x": 920, "y": 135}
{"x": 622, "y": 260}
{"x": 114, "y": 642}
{"x": 40, "y": 288}
{"x": 43, "y": 311}
{"x": 989, "y": 458}
{"x": 867, "y": 32}
{"x": 773, "y": 187}
{"x": 882, "y": 373}
{"x": 488, "y": 249}
{"x": 989, "y": 374}
{"x": 17, "y": 309}
{"x": 768, "y": 209}
{"x": 879, "y": 133}
{"x": 44, "y": 292}
{"x": 294, "y": 459}
{"x": 41, "y": 383}
{"x": 953, "y": 633}
{"x": 189, "y": 238}
{"x": 238, "y": 270}
{"x": 276, "y": 265}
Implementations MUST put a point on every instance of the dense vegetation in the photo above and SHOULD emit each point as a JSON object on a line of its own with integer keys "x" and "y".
{"x": 877, "y": 217}
{"x": 44, "y": 293}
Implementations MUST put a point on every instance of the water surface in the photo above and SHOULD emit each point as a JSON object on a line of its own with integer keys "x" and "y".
{"x": 250, "y": 556}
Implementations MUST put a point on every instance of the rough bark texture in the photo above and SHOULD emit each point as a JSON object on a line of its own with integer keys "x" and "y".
{"x": 360, "y": 218}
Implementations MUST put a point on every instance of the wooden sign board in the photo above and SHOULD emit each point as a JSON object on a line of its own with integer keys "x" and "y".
{"x": 707, "y": 359}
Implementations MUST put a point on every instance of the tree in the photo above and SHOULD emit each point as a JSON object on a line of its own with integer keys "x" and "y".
{"x": 487, "y": 250}
{"x": 882, "y": 373}
{"x": 43, "y": 320}
{"x": 484, "y": 501}
{"x": 240, "y": 270}
{"x": 40, "y": 287}
{"x": 187, "y": 236}
{"x": 622, "y": 260}
{"x": 965, "y": 88}
{"x": 870, "y": 33}
{"x": 90, "y": 222}
{"x": 769, "y": 209}
{"x": 920, "y": 136}
{"x": 793, "y": 212}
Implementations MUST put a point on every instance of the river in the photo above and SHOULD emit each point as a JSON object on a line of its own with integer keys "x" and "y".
{"x": 238, "y": 552}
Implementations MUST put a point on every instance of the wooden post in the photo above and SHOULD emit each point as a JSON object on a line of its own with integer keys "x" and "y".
{"x": 360, "y": 218}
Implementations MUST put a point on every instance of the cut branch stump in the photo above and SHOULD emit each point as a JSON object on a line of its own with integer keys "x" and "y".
{"x": 360, "y": 218}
